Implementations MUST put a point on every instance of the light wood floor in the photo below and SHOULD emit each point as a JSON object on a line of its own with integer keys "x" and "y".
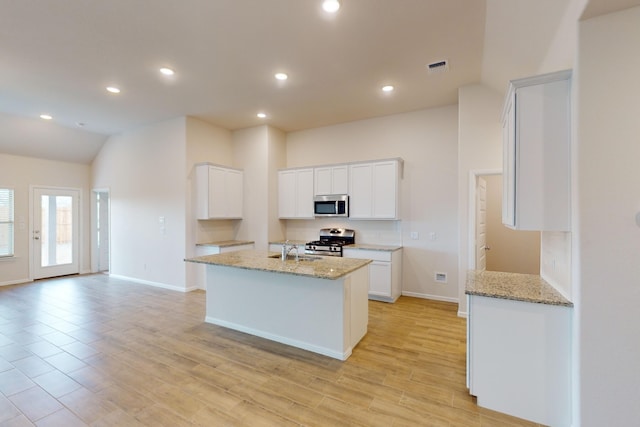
{"x": 92, "y": 350}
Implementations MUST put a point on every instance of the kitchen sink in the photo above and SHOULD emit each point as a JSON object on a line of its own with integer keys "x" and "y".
{"x": 301, "y": 258}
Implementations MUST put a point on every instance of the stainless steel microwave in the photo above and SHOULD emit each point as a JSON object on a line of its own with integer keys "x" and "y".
{"x": 331, "y": 205}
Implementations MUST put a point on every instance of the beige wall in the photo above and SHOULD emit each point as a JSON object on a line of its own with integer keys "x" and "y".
{"x": 513, "y": 251}
{"x": 479, "y": 149}
{"x": 20, "y": 173}
{"x": 145, "y": 171}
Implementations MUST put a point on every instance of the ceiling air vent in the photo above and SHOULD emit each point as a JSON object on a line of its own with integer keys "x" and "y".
{"x": 438, "y": 66}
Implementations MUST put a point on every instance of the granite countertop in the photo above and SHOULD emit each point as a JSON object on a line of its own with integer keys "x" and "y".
{"x": 382, "y": 248}
{"x": 321, "y": 267}
{"x": 227, "y": 243}
{"x": 513, "y": 286}
{"x": 291, "y": 242}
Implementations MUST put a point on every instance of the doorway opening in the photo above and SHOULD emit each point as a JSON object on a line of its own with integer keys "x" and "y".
{"x": 493, "y": 246}
{"x": 100, "y": 254}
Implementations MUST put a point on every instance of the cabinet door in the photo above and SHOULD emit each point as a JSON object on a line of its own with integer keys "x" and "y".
{"x": 340, "y": 179}
{"x": 361, "y": 191}
{"x": 304, "y": 193}
{"x": 385, "y": 190}
{"x": 287, "y": 194}
{"x": 234, "y": 193}
{"x": 380, "y": 279}
{"x": 323, "y": 181}
{"x": 217, "y": 192}
{"x": 508, "y": 168}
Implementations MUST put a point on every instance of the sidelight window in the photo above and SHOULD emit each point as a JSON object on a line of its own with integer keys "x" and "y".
{"x": 6, "y": 222}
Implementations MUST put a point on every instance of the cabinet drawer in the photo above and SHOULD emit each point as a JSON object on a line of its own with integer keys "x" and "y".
{"x": 367, "y": 254}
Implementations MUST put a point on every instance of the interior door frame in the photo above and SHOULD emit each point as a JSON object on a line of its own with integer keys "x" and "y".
{"x": 94, "y": 228}
{"x": 32, "y": 189}
{"x": 474, "y": 174}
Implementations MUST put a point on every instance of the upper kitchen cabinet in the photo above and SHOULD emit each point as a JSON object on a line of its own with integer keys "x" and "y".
{"x": 331, "y": 180}
{"x": 219, "y": 192}
{"x": 374, "y": 189}
{"x": 536, "y": 153}
{"x": 295, "y": 193}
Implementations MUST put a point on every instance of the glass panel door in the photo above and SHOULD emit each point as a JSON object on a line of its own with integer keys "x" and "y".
{"x": 55, "y": 232}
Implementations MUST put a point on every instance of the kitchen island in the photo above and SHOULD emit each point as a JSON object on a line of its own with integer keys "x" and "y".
{"x": 317, "y": 303}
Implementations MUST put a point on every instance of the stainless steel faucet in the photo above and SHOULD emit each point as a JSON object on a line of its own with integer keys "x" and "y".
{"x": 286, "y": 248}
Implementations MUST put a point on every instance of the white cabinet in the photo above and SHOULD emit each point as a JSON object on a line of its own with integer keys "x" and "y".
{"x": 219, "y": 192}
{"x": 295, "y": 193}
{"x": 385, "y": 279}
{"x": 331, "y": 180}
{"x": 200, "y": 271}
{"x": 519, "y": 358}
{"x": 536, "y": 153}
{"x": 374, "y": 189}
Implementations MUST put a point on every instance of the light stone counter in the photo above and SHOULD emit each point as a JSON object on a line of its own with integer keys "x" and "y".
{"x": 226, "y": 243}
{"x": 382, "y": 248}
{"x": 513, "y": 286}
{"x": 320, "y": 267}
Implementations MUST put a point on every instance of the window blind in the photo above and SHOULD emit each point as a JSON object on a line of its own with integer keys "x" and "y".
{"x": 6, "y": 222}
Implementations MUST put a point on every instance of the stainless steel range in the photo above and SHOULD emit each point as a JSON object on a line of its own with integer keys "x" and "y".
{"x": 331, "y": 242}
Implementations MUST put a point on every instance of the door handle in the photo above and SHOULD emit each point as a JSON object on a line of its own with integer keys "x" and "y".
{"x": 36, "y": 238}
{"x": 487, "y": 248}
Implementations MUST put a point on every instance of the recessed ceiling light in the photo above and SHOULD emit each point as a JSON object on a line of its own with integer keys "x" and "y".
{"x": 46, "y": 117}
{"x": 387, "y": 88}
{"x": 167, "y": 71}
{"x": 331, "y": 6}
{"x": 113, "y": 89}
{"x": 281, "y": 76}
{"x": 261, "y": 115}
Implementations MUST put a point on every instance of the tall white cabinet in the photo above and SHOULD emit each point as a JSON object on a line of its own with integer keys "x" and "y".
{"x": 219, "y": 192}
{"x": 295, "y": 193}
{"x": 536, "y": 127}
{"x": 374, "y": 189}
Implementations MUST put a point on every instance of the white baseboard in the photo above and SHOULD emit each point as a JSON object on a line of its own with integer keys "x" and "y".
{"x": 155, "y": 284}
{"x": 15, "y": 282}
{"x": 429, "y": 296}
{"x": 463, "y": 314}
{"x": 283, "y": 340}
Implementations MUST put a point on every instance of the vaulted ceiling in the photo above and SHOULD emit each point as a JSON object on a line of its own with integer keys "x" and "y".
{"x": 58, "y": 58}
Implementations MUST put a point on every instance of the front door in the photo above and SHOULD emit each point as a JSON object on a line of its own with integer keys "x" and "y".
{"x": 55, "y": 232}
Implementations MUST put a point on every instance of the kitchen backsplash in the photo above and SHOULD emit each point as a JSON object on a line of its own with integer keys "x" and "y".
{"x": 367, "y": 232}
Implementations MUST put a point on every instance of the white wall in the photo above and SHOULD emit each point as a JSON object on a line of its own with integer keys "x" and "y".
{"x": 427, "y": 141}
{"x": 277, "y": 160}
{"x": 204, "y": 143}
{"x": 145, "y": 171}
{"x": 21, "y": 172}
{"x": 251, "y": 152}
{"x": 607, "y": 245}
{"x": 479, "y": 149}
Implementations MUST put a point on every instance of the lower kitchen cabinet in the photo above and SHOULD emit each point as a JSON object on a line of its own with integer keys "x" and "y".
{"x": 385, "y": 271}
{"x": 519, "y": 358}
{"x": 200, "y": 275}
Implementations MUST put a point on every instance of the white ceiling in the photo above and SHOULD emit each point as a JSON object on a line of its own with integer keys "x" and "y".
{"x": 58, "y": 56}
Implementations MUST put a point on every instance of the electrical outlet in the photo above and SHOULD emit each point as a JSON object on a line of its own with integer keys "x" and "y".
{"x": 433, "y": 236}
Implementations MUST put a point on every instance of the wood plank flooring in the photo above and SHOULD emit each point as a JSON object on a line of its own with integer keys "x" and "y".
{"x": 93, "y": 350}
